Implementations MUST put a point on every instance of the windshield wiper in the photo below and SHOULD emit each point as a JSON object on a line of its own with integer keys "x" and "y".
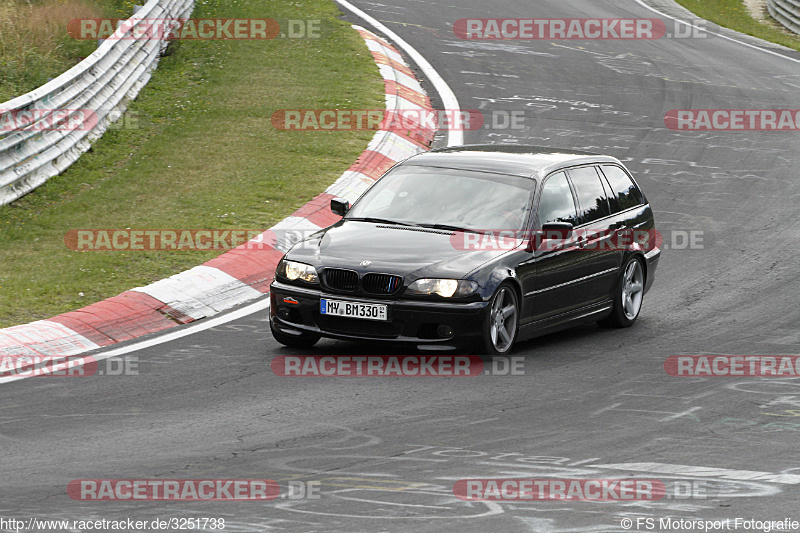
{"x": 448, "y": 227}
{"x": 382, "y": 221}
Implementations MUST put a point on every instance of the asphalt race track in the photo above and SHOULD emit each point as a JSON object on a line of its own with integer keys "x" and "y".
{"x": 591, "y": 403}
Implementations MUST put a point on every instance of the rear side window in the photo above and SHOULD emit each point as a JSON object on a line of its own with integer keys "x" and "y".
{"x": 626, "y": 192}
{"x": 556, "y": 203}
{"x": 592, "y": 200}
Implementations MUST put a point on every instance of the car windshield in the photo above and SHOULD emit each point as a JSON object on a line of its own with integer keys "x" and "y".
{"x": 447, "y": 198}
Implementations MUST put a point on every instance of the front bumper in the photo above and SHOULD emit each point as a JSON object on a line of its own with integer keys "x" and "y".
{"x": 414, "y": 322}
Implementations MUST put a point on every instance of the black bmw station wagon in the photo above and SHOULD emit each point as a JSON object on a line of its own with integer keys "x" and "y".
{"x": 473, "y": 246}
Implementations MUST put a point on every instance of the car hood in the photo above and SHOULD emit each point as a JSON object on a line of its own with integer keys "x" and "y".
{"x": 392, "y": 249}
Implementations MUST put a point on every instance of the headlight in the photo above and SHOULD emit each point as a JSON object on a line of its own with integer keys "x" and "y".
{"x": 293, "y": 270}
{"x": 443, "y": 287}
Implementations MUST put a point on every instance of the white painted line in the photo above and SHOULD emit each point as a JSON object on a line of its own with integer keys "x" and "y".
{"x": 449, "y": 100}
{"x": 654, "y": 10}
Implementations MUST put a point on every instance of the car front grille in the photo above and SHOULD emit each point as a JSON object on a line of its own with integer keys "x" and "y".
{"x": 339, "y": 279}
{"x": 355, "y": 326}
{"x": 343, "y": 280}
{"x": 381, "y": 283}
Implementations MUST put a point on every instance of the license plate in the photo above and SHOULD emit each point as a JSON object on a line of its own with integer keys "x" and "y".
{"x": 353, "y": 309}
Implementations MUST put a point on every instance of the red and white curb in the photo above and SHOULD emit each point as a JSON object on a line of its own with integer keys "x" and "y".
{"x": 242, "y": 274}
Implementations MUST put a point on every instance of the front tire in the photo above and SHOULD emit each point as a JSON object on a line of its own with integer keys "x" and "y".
{"x": 628, "y": 296}
{"x": 303, "y": 340}
{"x": 501, "y": 324}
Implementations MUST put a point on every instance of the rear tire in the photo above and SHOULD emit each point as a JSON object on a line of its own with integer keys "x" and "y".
{"x": 304, "y": 340}
{"x": 628, "y": 296}
{"x": 502, "y": 321}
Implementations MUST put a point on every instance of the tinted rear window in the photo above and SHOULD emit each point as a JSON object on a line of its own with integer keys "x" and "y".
{"x": 626, "y": 192}
{"x": 591, "y": 194}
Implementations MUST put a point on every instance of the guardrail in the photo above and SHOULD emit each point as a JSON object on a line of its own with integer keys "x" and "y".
{"x": 83, "y": 102}
{"x": 787, "y": 12}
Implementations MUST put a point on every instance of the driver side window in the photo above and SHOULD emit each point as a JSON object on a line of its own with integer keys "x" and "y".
{"x": 556, "y": 203}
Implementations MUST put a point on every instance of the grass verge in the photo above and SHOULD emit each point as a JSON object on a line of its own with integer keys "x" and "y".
{"x": 197, "y": 150}
{"x": 733, "y": 14}
{"x": 34, "y": 45}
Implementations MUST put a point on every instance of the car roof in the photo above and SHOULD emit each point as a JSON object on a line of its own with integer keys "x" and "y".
{"x": 517, "y": 160}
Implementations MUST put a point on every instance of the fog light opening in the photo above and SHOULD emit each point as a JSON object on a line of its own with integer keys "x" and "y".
{"x": 283, "y": 312}
{"x": 444, "y": 331}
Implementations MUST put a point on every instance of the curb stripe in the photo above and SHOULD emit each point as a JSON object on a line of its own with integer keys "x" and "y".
{"x": 318, "y": 211}
{"x": 200, "y": 291}
{"x": 412, "y": 95}
{"x": 351, "y": 185}
{"x": 253, "y": 267}
{"x": 116, "y": 319}
{"x": 373, "y": 164}
{"x": 382, "y": 59}
{"x": 376, "y": 46}
{"x": 389, "y": 73}
{"x": 43, "y": 337}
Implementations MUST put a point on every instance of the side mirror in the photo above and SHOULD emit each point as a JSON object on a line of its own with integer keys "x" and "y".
{"x": 550, "y": 231}
{"x": 556, "y": 230}
{"x": 340, "y": 206}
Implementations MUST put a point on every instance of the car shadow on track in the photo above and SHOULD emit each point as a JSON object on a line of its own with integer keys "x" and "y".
{"x": 570, "y": 342}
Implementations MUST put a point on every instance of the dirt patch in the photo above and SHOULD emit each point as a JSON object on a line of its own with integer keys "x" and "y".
{"x": 757, "y": 8}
